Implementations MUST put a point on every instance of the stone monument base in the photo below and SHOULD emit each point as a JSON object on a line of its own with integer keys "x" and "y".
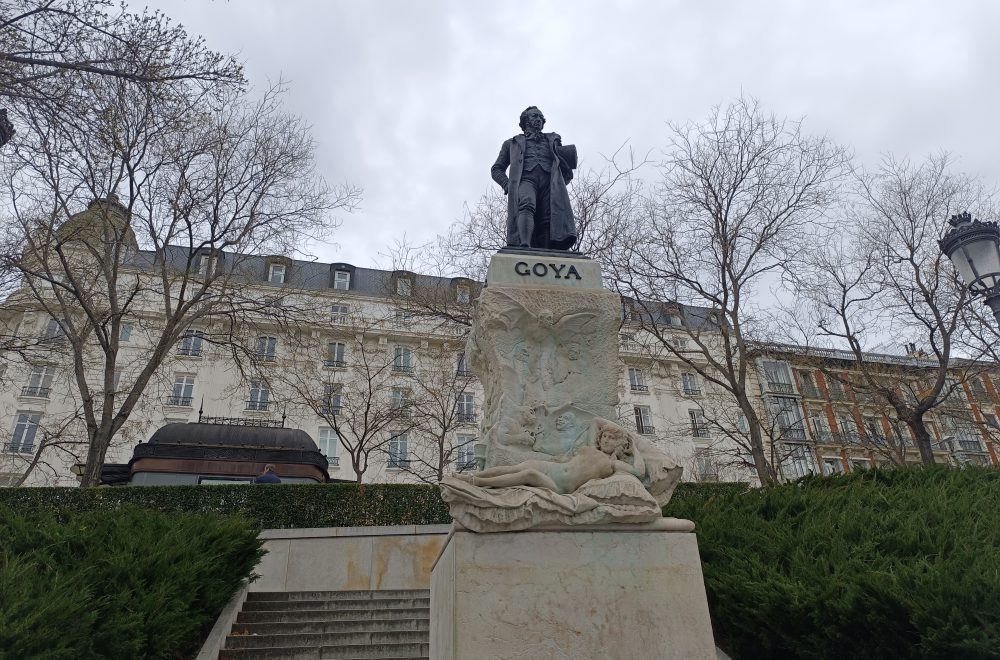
{"x": 614, "y": 592}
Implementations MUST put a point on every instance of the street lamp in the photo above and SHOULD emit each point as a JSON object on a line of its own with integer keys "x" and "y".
{"x": 974, "y": 249}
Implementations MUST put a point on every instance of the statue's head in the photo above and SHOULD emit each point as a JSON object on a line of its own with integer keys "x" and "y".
{"x": 531, "y": 117}
{"x": 614, "y": 440}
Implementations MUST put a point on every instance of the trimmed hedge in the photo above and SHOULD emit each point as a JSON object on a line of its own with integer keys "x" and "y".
{"x": 268, "y": 507}
{"x": 131, "y": 583}
{"x": 284, "y": 506}
{"x": 877, "y": 564}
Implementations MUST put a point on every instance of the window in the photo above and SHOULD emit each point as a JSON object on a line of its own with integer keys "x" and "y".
{"x": 705, "y": 467}
{"x": 267, "y": 349}
{"x": 116, "y": 378}
{"x": 260, "y": 393}
{"x": 39, "y": 381}
{"x": 991, "y": 421}
{"x": 276, "y": 274}
{"x": 979, "y": 392}
{"x": 400, "y": 401}
{"x": 465, "y": 407}
{"x": 461, "y": 368}
{"x": 403, "y": 317}
{"x": 205, "y": 264}
{"x": 836, "y": 389}
{"x": 680, "y": 343}
{"x": 860, "y": 464}
{"x": 340, "y": 313}
{"x": 182, "y": 392}
{"x": 699, "y": 428}
{"x": 342, "y": 280}
{"x": 190, "y": 344}
{"x": 466, "y": 454}
{"x": 399, "y": 455}
{"x": 788, "y": 415}
{"x": 404, "y": 286}
{"x": 637, "y": 380}
{"x": 25, "y": 429}
{"x": 742, "y": 425}
{"x": 402, "y": 360}
{"x": 832, "y": 465}
{"x": 777, "y": 376}
{"x": 125, "y": 332}
{"x": 966, "y": 440}
{"x": 644, "y": 420}
{"x": 336, "y": 354}
{"x": 53, "y": 332}
{"x": 463, "y": 295}
{"x": 799, "y": 461}
{"x": 328, "y": 444}
{"x": 332, "y": 399}
{"x": 819, "y": 428}
{"x": 690, "y": 384}
{"x": 807, "y": 385}
{"x": 848, "y": 429}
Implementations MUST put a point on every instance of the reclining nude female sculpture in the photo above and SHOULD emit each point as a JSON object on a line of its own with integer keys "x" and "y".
{"x": 610, "y": 476}
{"x": 613, "y": 453}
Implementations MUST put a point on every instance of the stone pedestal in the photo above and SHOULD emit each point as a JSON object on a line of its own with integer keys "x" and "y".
{"x": 613, "y": 592}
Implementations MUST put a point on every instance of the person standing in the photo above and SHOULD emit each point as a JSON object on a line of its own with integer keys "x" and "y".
{"x": 267, "y": 476}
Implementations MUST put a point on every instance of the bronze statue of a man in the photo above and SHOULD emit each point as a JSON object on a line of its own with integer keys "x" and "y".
{"x": 539, "y": 213}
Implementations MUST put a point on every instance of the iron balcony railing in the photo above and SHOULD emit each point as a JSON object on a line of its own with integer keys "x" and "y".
{"x": 638, "y": 387}
{"x": 174, "y": 400}
{"x": 783, "y": 388}
{"x": 403, "y": 368}
{"x": 700, "y": 431}
{"x": 334, "y": 363}
{"x": 257, "y": 405}
{"x": 810, "y": 392}
{"x": 467, "y": 417}
{"x": 18, "y": 448}
{"x": 35, "y": 391}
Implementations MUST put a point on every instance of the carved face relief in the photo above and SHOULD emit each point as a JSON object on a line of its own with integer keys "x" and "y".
{"x": 573, "y": 350}
{"x": 566, "y": 422}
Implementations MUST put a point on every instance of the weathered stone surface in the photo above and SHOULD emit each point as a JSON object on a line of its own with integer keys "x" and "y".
{"x": 547, "y": 355}
{"x": 580, "y": 595}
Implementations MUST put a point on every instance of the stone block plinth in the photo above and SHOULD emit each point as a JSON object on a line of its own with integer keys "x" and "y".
{"x": 616, "y": 592}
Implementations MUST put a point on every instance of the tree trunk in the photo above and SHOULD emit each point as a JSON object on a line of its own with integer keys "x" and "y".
{"x": 923, "y": 440}
{"x": 96, "y": 453}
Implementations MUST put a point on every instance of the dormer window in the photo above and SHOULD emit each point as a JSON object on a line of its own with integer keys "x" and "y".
{"x": 463, "y": 295}
{"x": 276, "y": 274}
{"x": 404, "y": 286}
{"x": 342, "y": 280}
{"x": 205, "y": 264}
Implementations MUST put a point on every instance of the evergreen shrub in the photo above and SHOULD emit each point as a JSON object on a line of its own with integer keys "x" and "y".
{"x": 280, "y": 507}
{"x": 128, "y": 583}
{"x": 876, "y": 564}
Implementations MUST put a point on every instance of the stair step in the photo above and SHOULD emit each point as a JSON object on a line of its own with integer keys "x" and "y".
{"x": 324, "y": 639}
{"x": 338, "y": 595}
{"x": 350, "y": 652}
{"x": 300, "y": 627}
{"x": 335, "y": 603}
{"x": 289, "y": 616}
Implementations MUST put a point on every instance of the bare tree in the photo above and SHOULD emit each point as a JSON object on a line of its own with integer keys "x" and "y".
{"x": 883, "y": 276}
{"x": 51, "y": 50}
{"x": 443, "y": 407}
{"x": 182, "y": 195}
{"x": 738, "y": 194}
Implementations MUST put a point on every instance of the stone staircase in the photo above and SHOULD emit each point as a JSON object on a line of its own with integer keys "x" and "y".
{"x": 331, "y": 624}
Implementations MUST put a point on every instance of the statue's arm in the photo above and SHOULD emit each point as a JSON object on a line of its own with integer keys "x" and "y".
{"x": 499, "y": 169}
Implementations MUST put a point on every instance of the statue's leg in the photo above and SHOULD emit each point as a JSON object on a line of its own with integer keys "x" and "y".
{"x": 525, "y": 210}
{"x": 518, "y": 478}
{"x": 543, "y": 213}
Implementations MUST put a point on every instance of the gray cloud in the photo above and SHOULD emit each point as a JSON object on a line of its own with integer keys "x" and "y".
{"x": 412, "y": 100}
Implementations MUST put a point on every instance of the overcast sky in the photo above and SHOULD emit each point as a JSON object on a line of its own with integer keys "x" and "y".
{"x": 411, "y": 99}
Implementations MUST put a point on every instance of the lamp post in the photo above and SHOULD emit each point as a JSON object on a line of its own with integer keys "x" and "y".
{"x": 974, "y": 249}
